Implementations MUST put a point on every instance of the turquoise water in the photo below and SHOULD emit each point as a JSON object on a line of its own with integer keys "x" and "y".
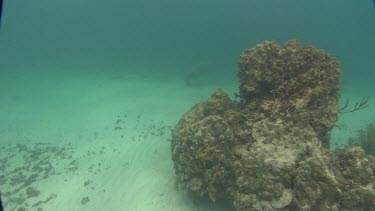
{"x": 102, "y": 83}
{"x": 179, "y": 34}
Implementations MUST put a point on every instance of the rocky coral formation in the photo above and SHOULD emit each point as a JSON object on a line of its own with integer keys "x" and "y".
{"x": 266, "y": 152}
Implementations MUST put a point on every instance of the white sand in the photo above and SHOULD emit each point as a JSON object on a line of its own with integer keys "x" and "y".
{"x": 116, "y": 132}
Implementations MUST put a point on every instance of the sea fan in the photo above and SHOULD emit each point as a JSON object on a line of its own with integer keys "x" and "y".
{"x": 365, "y": 139}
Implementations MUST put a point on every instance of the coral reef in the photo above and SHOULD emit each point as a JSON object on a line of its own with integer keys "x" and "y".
{"x": 300, "y": 83}
{"x": 266, "y": 151}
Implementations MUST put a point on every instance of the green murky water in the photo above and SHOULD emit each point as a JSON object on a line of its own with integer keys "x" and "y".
{"x": 89, "y": 90}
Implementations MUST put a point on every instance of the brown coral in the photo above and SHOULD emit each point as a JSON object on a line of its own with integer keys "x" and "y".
{"x": 266, "y": 151}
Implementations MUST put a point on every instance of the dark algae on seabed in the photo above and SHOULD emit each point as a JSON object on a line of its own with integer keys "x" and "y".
{"x": 268, "y": 149}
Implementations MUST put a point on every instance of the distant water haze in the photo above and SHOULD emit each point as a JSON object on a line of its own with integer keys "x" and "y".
{"x": 170, "y": 35}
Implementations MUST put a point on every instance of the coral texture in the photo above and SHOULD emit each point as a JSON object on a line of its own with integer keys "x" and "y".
{"x": 266, "y": 152}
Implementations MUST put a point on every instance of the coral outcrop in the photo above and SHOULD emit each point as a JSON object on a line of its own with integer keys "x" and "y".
{"x": 266, "y": 151}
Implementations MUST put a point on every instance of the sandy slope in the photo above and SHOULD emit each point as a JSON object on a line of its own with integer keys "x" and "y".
{"x": 92, "y": 141}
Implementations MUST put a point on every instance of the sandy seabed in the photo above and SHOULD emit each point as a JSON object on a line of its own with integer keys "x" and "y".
{"x": 75, "y": 140}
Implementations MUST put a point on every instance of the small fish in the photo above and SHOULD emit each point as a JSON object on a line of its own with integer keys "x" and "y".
{"x": 1, "y": 203}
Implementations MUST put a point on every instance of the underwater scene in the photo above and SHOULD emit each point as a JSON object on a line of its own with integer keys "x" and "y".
{"x": 141, "y": 105}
